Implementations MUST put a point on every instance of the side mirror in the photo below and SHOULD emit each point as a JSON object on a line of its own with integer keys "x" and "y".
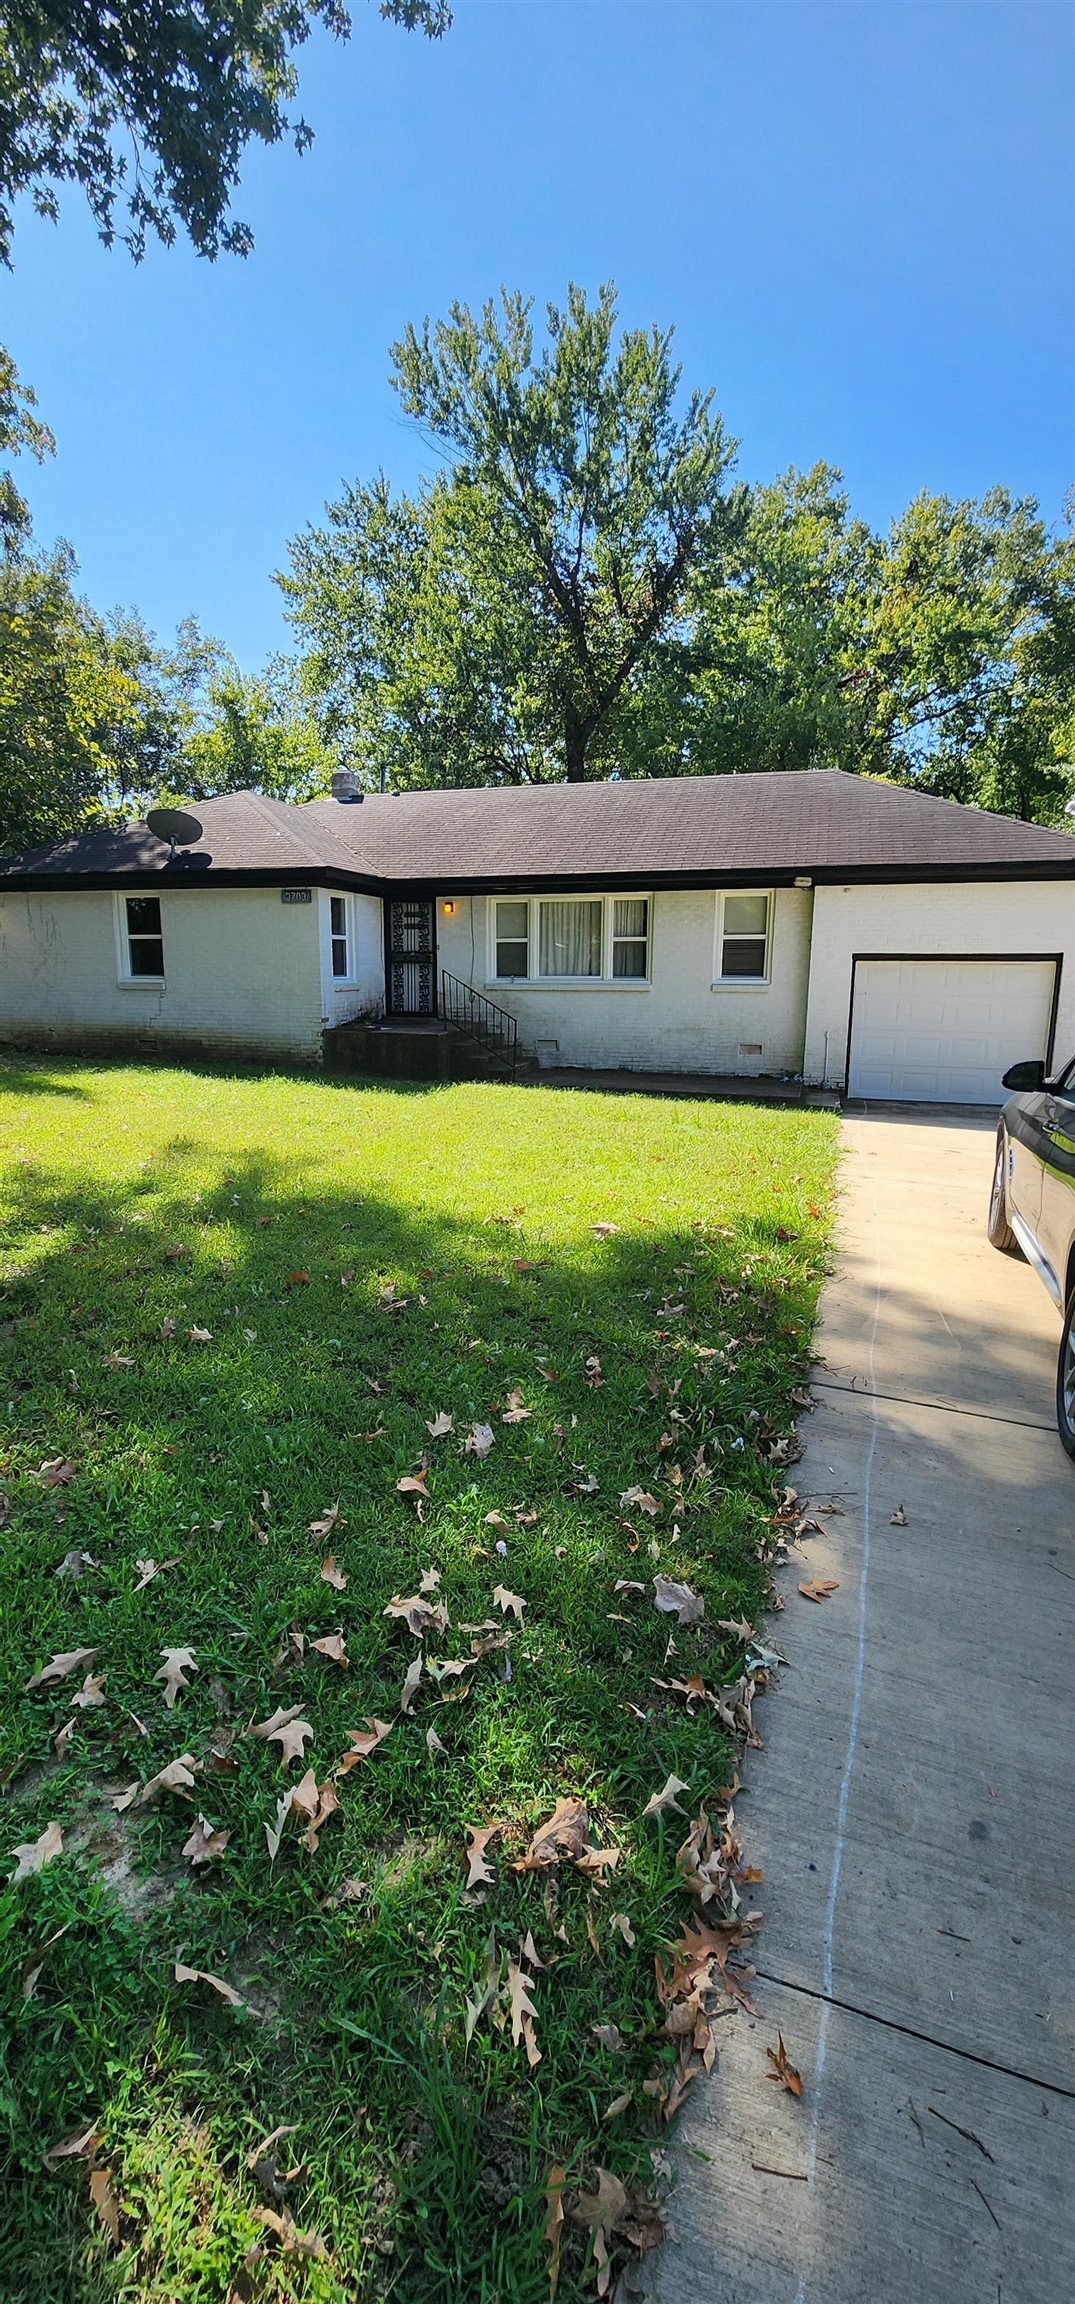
{"x": 1025, "y": 1076}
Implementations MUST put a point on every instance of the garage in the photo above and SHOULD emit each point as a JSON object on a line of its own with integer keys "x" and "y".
{"x": 943, "y": 1031}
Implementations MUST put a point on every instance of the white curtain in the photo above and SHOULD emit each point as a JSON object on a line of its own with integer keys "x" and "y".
{"x": 571, "y": 939}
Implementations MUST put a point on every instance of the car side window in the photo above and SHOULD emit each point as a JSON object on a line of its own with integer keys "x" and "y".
{"x": 1064, "y": 1084}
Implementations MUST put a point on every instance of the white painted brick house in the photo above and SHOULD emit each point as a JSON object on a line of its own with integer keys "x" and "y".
{"x": 816, "y": 926}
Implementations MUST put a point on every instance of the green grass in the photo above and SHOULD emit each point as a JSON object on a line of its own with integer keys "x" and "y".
{"x": 425, "y": 2161}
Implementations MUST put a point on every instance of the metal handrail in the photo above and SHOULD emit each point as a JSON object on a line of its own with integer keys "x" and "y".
{"x": 492, "y": 1027}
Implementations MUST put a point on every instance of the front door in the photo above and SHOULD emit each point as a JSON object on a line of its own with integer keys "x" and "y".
{"x": 412, "y": 957}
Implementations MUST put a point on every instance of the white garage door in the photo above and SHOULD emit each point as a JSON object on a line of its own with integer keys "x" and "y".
{"x": 943, "y": 1031}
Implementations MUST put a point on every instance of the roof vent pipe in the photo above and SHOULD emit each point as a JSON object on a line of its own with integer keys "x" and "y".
{"x": 345, "y": 784}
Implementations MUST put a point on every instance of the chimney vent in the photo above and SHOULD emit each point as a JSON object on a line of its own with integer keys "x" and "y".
{"x": 345, "y": 784}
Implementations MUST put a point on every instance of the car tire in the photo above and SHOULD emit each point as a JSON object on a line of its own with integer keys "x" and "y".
{"x": 1065, "y": 1381}
{"x": 997, "y": 1225}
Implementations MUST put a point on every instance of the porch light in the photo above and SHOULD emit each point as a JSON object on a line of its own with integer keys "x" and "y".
{"x": 448, "y": 907}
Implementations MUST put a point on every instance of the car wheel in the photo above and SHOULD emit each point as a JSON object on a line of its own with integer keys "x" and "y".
{"x": 1065, "y": 1381}
{"x": 997, "y": 1225}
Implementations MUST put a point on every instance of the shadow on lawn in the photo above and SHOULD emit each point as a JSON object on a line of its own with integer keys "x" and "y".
{"x": 31, "y": 1080}
{"x": 313, "y": 1388}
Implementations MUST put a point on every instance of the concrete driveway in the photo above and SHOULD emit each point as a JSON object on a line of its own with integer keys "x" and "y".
{"x": 914, "y": 1808}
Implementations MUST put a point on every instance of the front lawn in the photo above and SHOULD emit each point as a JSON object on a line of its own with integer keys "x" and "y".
{"x": 230, "y": 1311}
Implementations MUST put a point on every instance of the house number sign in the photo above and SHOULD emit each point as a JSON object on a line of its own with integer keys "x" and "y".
{"x": 295, "y": 896}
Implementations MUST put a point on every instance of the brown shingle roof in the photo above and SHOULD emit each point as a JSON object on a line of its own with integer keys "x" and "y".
{"x": 825, "y": 823}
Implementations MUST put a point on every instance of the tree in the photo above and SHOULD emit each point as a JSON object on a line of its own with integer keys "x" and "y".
{"x": 155, "y": 106}
{"x": 20, "y": 428}
{"x": 500, "y": 625}
{"x": 69, "y": 711}
{"x": 252, "y": 733}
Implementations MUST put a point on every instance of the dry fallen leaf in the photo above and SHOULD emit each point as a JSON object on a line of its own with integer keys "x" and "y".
{"x": 276, "y": 1720}
{"x": 819, "y": 1587}
{"x": 788, "y": 2077}
{"x": 330, "y": 1518}
{"x": 429, "y": 1580}
{"x": 678, "y": 1600}
{"x": 554, "y": 2226}
{"x": 33, "y": 1855}
{"x": 515, "y": 1413}
{"x": 478, "y": 1838}
{"x": 61, "y": 1665}
{"x": 80, "y": 2147}
{"x": 333, "y": 1647}
{"x": 177, "y": 1662}
{"x": 73, "y": 1564}
{"x": 177, "y": 1777}
{"x": 410, "y": 1684}
{"x": 418, "y": 1615}
{"x": 898, "y": 1518}
{"x": 620, "y": 1920}
{"x": 330, "y": 1574}
{"x": 200, "y": 1335}
{"x": 148, "y": 1569}
{"x": 658, "y": 1802}
{"x": 56, "y": 1471}
{"x": 202, "y": 1976}
{"x": 435, "y": 1747}
{"x": 523, "y": 2012}
{"x": 508, "y": 1602}
{"x": 643, "y": 1499}
{"x": 604, "y": 1230}
{"x": 91, "y": 1693}
{"x": 104, "y": 2200}
{"x": 479, "y": 1440}
{"x": 565, "y": 1834}
{"x": 440, "y": 1424}
{"x": 363, "y": 1742}
{"x": 292, "y": 1737}
{"x": 204, "y": 1845}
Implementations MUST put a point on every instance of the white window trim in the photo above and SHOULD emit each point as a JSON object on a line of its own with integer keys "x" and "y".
{"x": 532, "y": 981}
{"x": 350, "y": 924}
{"x": 743, "y": 983}
{"x": 124, "y": 978}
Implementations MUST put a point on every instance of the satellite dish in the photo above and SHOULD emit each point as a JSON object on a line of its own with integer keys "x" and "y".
{"x": 175, "y": 826}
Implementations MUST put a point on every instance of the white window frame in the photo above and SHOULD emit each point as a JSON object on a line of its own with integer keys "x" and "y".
{"x": 533, "y": 981}
{"x": 723, "y": 983}
{"x": 124, "y": 973}
{"x": 348, "y": 979}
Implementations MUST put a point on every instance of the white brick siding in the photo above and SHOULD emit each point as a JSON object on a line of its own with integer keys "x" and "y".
{"x": 679, "y": 1021}
{"x": 242, "y": 973}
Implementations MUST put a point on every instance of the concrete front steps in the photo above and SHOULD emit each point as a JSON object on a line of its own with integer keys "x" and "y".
{"x": 412, "y": 1048}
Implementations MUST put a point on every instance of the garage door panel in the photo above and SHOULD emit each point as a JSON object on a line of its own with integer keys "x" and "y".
{"x": 944, "y": 1031}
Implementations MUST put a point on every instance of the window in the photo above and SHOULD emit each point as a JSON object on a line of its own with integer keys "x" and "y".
{"x": 145, "y": 946}
{"x": 744, "y": 934}
{"x": 338, "y": 916}
{"x": 512, "y": 939}
{"x": 630, "y": 936}
{"x": 570, "y": 940}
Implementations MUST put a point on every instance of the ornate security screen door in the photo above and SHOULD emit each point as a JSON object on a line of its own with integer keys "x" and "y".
{"x": 412, "y": 954}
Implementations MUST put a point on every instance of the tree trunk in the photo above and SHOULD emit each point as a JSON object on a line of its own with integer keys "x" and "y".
{"x": 574, "y": 749}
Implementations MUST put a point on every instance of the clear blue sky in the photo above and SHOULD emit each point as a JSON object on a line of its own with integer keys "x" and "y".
{"x": 858, "y": 215}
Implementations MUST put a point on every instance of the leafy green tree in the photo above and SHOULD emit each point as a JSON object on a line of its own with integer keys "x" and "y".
{"x": 69, "y": 711}
{"x": 20, "y": 429}
{"x": 153, "y": 107}
{"x": 498, "y": 626}
{"x": 251, "y": 734}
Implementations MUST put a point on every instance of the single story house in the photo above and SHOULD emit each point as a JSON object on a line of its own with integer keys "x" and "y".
{"x": 815, "y": 925}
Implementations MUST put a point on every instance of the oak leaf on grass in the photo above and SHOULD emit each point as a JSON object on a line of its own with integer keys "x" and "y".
{"x": 478, "y": 1838}
{"x": 204, "y": 1846}
{"x": 440, "y": 1425}
{"x": 363, "y": 1742}
{"x": 104, "y": 2201}
{"x": 523, "y": 2012}
{"x": 678, "y": 1600}
{"x": 60, "y": 1666}
{"x": 508, "y": 1602}
{"x": 418, "y": 1614}
{"x": 227, "y": 1992}
{"x": 91, "y": 1693}
{"x": 177, "y": 1663}
{"x": 333, "y": 1647}
{"x": 658, "y": 1802}
{"x": 330, "y": 1574}
{"x": 33, "y": 1855}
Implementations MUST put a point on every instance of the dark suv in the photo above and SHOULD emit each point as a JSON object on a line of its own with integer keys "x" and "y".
{"x": 1032, "y": 1204}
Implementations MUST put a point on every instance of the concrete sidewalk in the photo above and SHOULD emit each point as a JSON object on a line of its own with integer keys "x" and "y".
{"x": 914, "y": 1807}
